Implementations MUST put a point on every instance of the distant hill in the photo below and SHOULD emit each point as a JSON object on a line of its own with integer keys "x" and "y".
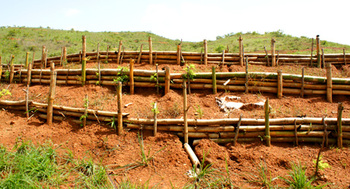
{"x": 19, "y": 40}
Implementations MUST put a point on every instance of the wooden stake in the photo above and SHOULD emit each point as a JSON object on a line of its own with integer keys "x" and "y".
{"x": 267, "y": 57}
{"x": 150, "y": 50}
{"x": 267, "y": 123}
{"x": 323, "y": 60}
{"x": 178, "y": 55}
{"x": 273, "y": 62}
{"x": 205, "y": 52}
{"x": 185, "y": 132}
{"x": 43, "y": 57}
{"x": 344, "y": 56}
{"x": 155, "y": 119}
{"x": 83, "y": 71}
{"x": 53, "y": 76}
{"x": 120, "y": 51}
{"x": 312, "y": 49}
{"x": 131, "y": 76}
{"x": 318, "y": 47}
{"x": 64, "y": 58}
{"x": 246, "y": 75}
{"x": 157, "y": 79}
{"x": 329, "y": 82}
{"x": 12, "y": 73}
{"x": 296, "y": 133}
{"x": 237, "y": 130}
{"x": 121, "y": 59}
{"x": 215, "y": 90}
{"x": 29, "y": 73}
{"x": 98, "y": 63}
{"x": 279, "y": 84}
{"x": 278, "y": 58}
{"x": 302, "y": 82}
{"x": 12, "y": 60}
{"x": 26, "y": 61}
{"x": 339, "y": 125}
{"x": 84, "y": 46}
{"x": 120, "y": 114}
{"x": 140, "y": 54}
{"x": 241, "y": 57}
{"x": 167, "y": 80}
{"x": 188, "y": 80}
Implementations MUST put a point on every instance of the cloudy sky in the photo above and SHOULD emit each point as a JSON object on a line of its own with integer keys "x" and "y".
{"x": 191, "y": 20}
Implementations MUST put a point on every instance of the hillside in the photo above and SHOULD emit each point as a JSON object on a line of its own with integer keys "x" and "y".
{"x": 19, "y": 40}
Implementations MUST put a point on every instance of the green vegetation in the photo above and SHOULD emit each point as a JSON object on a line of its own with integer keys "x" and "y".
{"x": 19, "y": 40}
{"x": 4, "y": 92}
{"x": 30, "y": 166}
{"x": 263, "y": 177}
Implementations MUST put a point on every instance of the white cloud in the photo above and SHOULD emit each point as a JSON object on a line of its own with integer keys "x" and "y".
{"x": 71, "y": 12}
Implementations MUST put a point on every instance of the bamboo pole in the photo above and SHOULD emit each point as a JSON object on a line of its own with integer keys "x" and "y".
{"x": 84, "y": 46}
{"x": 339, "y": 125}
{"x": 83, "y": 71}
{"x": 43, "y": 57}
{"x": 185, "y": 131}
{"x": 215, "y": 89}
{"x": 273, "y": 62}
{"x": 205, "y": 52}
{"x": 323, "y": 60}
{"x": 52, "y": 91}
{"x": 241, "y": 57}
{"x": 29, "y": 74}
{"x": 192, "y": 155}
{"x": 267, "y": 123}
{"x": 302, "y": 82}
{"x": 329, "y": 82}
{"x": 12, "y": 72}
{"x": 312, "y": 49}
{"x": 279, "y": 84}
{"x": 64, "y": 58}
{"x": 178, "y": 55}
{"x": 121, "y": 59}
{"x": 167, "y": 80}
{"x": 155, "y": 118}
{"x": 246, "y": 75}
{"x": 188, "y": 80}
{"x": 318, "y": 46}
{"x": 140, "y": 54}
{"x": 131, "y": 76}
{"x": 119, "y": 51}
{"x": 120, "y": 114}
{"x": 150, "y": 50}
{"x": 237, "y": 130}
{"x": 26, "y": 61}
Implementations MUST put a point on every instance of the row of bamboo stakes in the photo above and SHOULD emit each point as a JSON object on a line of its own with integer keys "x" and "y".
{"x": 278, "y": 83}
{"x": 179, "y": 57}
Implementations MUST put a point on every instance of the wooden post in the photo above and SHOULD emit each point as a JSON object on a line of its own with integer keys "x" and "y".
{"x": 140, "y": 54}
{"x": 296, "y": 133}
{"x": 167, "y": 80}
{"x": 119, "y": 51}
{"x": 339, "y": 125}
{"x": 215, "y": 89}
{"x": 120, "y": 114}
{"x": 12, "y": 59}
{"x": 64, "y": 58}
{"x": 29, "y": 74}
{"x": 273, "y": 62}
{"x": 278, "y": 58}
{"x": 279, "y": 84}
{"x": 12, "y": 73}
{"x": 241, "y": 57}
{"x": 344, "y": 56}
{"x": 329, "y": 82}
{"x": 312, "y": 50}
{"x": 302, "y": 82}
{"x": 185, "y": 112}
{"x": 223, "y": 58}
{"x": 205, "y": 52}
{"x": 267, "y": 57}
{"x": 188, "y": 80}
{"x": 178, "y": 53}
{"x": 98, "y": 63}
{"x": 43, "y": 57}
{"x": 323, "y": 60}
{"x": 86, "y": 105}
{"x": 237, "y": 130}
{"x": 83, "y": 71}
{"x": 150, "y": 50}
{"x": 267, "y": 123}
{"x": 155, "y": 118}
{"x": 246, "y": 75}
{"x": 26, "y": 61}
{"x": 131, "y": 76}
{"x": 53, "y": 76}
{"x": 121, "y": 58}
{"x": 84, "y": 46}
{"x": 157, "y": 80}
{"x": 318, "y": 47}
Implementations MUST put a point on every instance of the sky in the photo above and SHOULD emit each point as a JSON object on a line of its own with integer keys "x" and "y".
{"x": 190, "y": 20}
